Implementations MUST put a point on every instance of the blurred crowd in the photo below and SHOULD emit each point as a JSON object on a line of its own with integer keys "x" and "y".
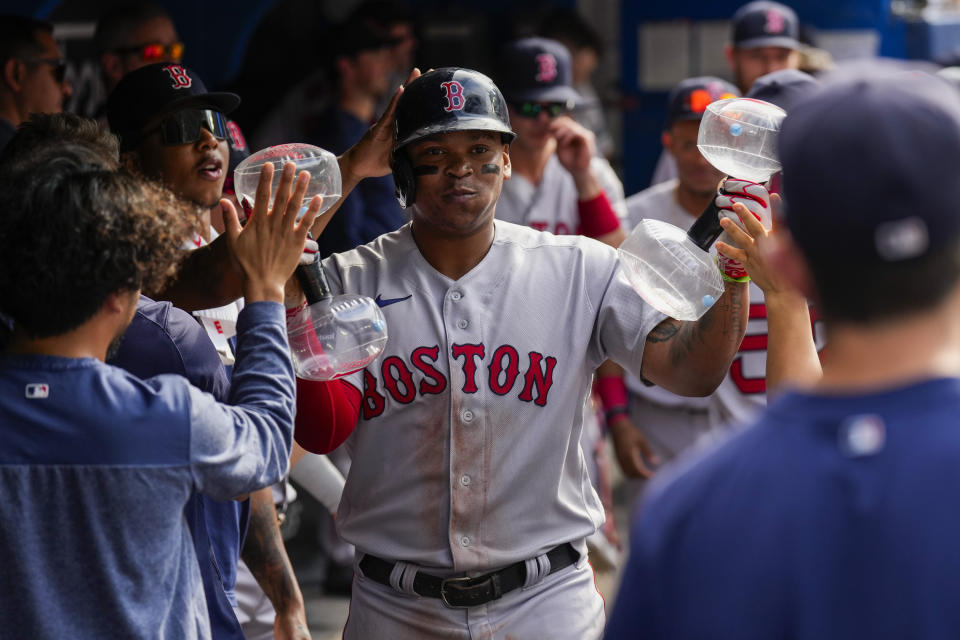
{"x": 176, "y": 143}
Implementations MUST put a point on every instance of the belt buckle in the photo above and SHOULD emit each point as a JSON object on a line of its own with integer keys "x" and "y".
{"x": 443, "y": 592}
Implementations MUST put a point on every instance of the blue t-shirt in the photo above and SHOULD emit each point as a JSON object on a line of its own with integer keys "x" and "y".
{"x": 164, "y": 339}
{"x": 832, "y": 517}
{"x": 96, "y": 470}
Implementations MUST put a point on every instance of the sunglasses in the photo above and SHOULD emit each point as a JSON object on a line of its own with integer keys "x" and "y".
{"x": 533, "y": 109}
{"x": 186, "y": 126}
{"x": 155, "y": 52}
{"x": 59, "y": 66}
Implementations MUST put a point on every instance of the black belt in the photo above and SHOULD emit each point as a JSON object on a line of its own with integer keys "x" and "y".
{"x": 460, "y": 593}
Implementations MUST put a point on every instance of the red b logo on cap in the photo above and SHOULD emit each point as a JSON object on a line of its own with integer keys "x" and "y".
{"x": 546, "y": 67}
{"x": 774, "y": 22}
{"x": 237, "y": 141}
{"x": 179, "y": 76}
{"x": 454, "y": 94}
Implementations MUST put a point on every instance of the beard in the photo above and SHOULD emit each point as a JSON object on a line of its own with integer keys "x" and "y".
{"x": 114, "y": 347}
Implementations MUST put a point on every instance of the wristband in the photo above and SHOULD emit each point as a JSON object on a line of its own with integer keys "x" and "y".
{"x": 612, "y": 392}
{"x": 597, "y": 216}
{"x": 731, "y": 270}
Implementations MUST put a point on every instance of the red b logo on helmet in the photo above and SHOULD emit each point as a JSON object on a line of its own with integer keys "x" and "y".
{"x": 237, "y": 141}
{"x": 179, "y": 76}
{"x": 454, "y": 94}
{"x": 546, "y": 67}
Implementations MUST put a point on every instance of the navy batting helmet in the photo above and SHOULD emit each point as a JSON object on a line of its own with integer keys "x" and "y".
{"x": 440, "y": 101}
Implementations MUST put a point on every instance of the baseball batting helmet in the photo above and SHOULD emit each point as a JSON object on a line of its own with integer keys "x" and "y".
{"x": 440, "y": 101}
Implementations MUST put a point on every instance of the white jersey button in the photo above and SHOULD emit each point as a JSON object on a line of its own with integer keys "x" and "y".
{"x": 456, "y": 295}
{"x": 467, "y": 416}
{"x": 465, "y": 480}
{"x": 462, "y": 324}
{"x": 464, "y": 541}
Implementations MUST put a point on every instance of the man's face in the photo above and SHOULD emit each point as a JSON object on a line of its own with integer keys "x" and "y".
{"x": 195, "y": 170}
{"x": 401, "y": 54}
{"x": 459, "y": 177}
{"x": 156, "y": 31}
{"x": 42, "y": 92}
{"x": 693, "y": 170}
{"x": 750, "y": 64}
{"x": 370, "y": 71}
{"x": 533, "y": 133}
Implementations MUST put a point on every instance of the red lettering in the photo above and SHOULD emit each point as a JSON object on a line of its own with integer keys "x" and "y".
{"x": 511, "y": 371}
{"x": 373, "y": 402}
{"x": 539, "y": 226}
{"x": 438, "y": 383}
{"x": 536, "y": 376}
{"x": 394, "y": 373}
{"x": 562, "y": 229}
{"x": 469, "y": 353}
{"x": 216, "y": 323}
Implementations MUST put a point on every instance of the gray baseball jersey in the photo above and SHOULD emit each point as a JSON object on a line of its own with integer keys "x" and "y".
{"x": 467, "y": 455}
{"x": 552, "y": 204}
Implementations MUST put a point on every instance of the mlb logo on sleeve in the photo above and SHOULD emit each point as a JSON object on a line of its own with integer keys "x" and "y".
{"x": 37, "y": 391}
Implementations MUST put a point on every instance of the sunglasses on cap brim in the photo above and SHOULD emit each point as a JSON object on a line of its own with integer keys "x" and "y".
{"x": 186, "y": 126}
{"x": 155, "y": 52}
{"x": 533, "y": 109}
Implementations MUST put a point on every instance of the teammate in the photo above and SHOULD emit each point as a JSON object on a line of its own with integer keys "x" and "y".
{"x": 134, "y": 35}
{"x": 558, "y": 183}
{"x": 826, "y": 518}
{"x": 32, "y": 69}
{"x": 468, "y": 499}
{"x": 763, "y": 39}
{"x": 98, "y": 465}
{"x": 175, "y": 131}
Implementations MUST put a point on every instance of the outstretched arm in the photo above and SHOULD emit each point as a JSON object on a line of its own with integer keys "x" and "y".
{"x": 791, "y": 352}
{"x": 691, "y": 358}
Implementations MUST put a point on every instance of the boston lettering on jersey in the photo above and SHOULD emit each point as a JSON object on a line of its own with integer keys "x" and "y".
{"x": 501, "y": 373}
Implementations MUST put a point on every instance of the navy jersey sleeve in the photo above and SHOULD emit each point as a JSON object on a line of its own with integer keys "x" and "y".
{"x": 245, "y": 446}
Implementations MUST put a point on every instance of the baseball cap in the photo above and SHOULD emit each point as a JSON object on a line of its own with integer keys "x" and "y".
{"x": 765, "y": 24}
{"x": 688, "y": 99}
{"x": 783, "y": 88}
{"x": 155, "y": 90}
{"x": 869, "y": 168}
{"x": 536, "y": 70}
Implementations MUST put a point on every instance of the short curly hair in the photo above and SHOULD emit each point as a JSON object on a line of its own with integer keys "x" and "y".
{"x": 74, "y": 231}
{"x": 43, "y": 133}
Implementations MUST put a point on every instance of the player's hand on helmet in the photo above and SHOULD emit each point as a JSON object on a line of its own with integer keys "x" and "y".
{"x": 370, "y": 157}
{"x": 634, "y": 453}
{"x": 750, "y": 245}
{"x": 269, "y": 246}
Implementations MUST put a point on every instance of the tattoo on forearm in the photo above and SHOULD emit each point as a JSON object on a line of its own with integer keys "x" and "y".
{"x": 265, "y": 555}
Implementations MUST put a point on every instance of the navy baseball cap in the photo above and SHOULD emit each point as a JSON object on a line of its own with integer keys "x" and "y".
{"x": 690, "y": 98}
{"x": 143, "y": 95}
{"x": 765, "y": 24}
{"x": 783, "y": 88}
{"x": 536, "y": 70}
{"x": 870, "y": 168}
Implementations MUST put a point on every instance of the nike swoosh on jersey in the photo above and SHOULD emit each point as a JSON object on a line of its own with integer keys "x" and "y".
{"x": 383, "y": 303}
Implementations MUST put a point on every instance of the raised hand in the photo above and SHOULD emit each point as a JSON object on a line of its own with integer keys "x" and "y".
{"x": 269, "y": 246}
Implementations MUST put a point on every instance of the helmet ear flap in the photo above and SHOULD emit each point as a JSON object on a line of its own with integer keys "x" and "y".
{"x": 403, "y": 178}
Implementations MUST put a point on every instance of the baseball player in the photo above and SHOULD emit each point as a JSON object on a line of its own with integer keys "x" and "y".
{"x": 558, "y": 182}
{"x": 827, "y": 518}
{"x": 468, "y": 497}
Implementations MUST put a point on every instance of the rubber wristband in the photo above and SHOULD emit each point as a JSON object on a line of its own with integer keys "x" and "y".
{"x": 615, "y": 414}
{"x": 723, "y": 274}
{"x": 597, "y": 216}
